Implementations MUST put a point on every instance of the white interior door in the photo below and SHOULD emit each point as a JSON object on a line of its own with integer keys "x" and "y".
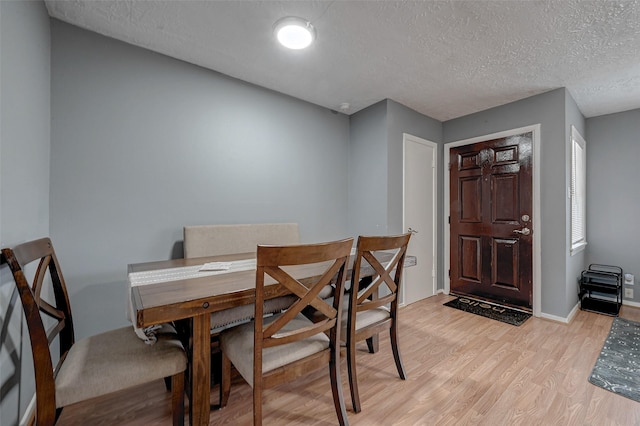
{"x": 419, "y": 214}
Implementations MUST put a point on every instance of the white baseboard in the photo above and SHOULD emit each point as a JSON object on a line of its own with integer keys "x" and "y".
{"x": 564, "y": 320}
{"x": 630, "y": 303}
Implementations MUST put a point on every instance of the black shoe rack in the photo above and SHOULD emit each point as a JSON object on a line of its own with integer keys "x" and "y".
{"x": 601, "y": 289}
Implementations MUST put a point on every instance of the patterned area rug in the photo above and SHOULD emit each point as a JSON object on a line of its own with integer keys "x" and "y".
{"x": 618, "y": 366}
{"x": 489, "y": 310}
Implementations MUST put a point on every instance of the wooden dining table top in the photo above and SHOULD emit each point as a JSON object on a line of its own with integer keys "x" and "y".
{"x": 184, "y": 298}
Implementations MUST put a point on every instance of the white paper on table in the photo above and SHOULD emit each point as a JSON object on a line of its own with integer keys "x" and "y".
{"x": 216, "y": 266}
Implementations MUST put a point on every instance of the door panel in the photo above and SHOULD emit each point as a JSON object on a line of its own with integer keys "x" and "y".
{"x": 490, "y": 222}
{"x": 471, "y": 258}
{"x": 470, "y": 202}
{"x": 419, "y": 207}
{"x": 505, "y": 199}
{"x": 504, "y": 265}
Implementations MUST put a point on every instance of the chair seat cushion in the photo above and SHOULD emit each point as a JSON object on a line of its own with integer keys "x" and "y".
{"x": 237, "y": 344}
{"x": 241, "y": 314}
{"x": 116, "y": 360}
{"x": 364, "y": 319}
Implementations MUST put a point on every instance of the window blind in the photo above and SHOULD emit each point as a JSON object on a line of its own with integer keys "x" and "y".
{"x": 578, "y": 191}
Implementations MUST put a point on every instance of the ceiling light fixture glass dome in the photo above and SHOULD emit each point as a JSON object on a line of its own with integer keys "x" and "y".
{"x": 294, "y": 33}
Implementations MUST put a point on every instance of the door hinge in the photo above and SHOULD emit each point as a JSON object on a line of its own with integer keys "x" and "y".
{"x": 449, "y": 273}
{"x": 449, "y": 219}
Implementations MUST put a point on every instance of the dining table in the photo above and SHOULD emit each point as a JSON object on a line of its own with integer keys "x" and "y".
{"x": 185, "y": 294}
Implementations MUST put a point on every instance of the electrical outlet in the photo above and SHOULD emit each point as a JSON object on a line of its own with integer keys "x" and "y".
{"x": 628, "y": 293}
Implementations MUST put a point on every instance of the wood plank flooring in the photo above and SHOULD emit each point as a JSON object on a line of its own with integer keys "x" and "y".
{"x": 461, "y": 368}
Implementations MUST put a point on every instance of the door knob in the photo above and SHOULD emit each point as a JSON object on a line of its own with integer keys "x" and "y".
{"x": 523, "y": 231}
{"x": 413, "y": 231}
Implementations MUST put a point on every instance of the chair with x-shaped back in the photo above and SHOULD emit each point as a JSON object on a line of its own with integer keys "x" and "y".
{"x": 91, "y": 367}
{"x": 373, "y": 301}
{"x": 280, "y": 348}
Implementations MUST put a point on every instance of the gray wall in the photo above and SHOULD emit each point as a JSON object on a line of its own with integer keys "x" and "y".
{"x": 401, "y": 119}
{"x": 25, "y": 122}
{"x": 547, "y": 109}
{"x": 376, "y": 164}
{"x": 24, "y": 176}
{"x": 143, "y": 144}
{"x": 613, "y": 196}
{"x": 368, "y": 172}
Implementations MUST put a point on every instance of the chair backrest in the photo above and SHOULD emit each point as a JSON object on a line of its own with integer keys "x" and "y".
{"x": 327, "y": 263}
{"x": 214, "y": 240}
{"x": 383, "y": 287}
{"x": 47, "y": 272}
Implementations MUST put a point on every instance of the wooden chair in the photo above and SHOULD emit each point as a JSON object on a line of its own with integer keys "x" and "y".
{"x": 270, "y": 351}
{"x": 90, "y": 367}
{"x": 373, "y": 302}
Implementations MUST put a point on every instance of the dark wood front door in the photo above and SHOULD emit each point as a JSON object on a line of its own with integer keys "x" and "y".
{"x": 490, "y": 222}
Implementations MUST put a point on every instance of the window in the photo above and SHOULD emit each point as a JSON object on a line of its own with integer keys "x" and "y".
{"x": 578, "y": 192}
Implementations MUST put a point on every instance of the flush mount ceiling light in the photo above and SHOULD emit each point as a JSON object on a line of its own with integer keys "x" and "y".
{"x": 294, "y": 33}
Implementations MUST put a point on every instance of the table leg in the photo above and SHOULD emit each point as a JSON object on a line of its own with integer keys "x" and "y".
{"x": 199, "y": 408}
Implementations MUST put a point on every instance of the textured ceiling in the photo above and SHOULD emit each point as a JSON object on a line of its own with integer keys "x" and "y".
{"x": 444, "y": 59}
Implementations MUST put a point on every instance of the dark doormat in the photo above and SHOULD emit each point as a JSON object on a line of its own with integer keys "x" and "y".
{"x": 489, "y": 310}
{"x": 617, "y": 369}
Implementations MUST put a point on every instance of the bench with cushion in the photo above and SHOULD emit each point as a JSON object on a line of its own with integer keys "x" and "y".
{"x": 215, "y": 240}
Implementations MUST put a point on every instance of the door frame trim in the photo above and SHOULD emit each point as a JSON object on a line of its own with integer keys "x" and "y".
{"x": 434, "y": 146}
{"x": 537, "y": 219}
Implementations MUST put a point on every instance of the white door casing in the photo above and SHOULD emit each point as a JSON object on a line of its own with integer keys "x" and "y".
{"x": 537, "y": 228}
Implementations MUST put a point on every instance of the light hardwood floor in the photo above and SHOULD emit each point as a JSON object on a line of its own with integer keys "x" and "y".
{"x": 461, "y": 368}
